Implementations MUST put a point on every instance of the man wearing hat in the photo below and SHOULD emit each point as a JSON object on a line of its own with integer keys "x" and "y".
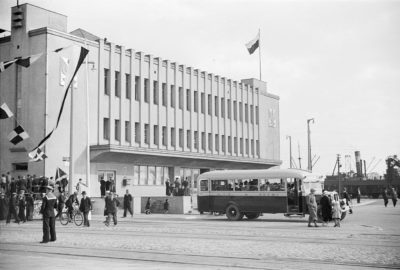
{"x": 85, "y": 207}
{"x": 49, "y": 203}
{"x": 312, "y": 208}
{"x": 73, "y": 198}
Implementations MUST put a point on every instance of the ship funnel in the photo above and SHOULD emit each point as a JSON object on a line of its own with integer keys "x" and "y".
{"x": 358, "y": 163}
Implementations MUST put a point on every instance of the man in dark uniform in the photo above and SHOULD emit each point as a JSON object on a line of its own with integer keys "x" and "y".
{"x": 12, "y": 208}
{"x": 3, "y": 206}
{"x": 128, "y": 203}
{"x": 49, "y": 203}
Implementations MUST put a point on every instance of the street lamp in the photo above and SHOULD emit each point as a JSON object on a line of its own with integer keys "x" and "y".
{"x": 309, "y": 144}
{"x": 290, "y": 148}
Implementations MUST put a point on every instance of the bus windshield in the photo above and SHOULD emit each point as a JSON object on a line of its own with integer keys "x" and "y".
{"x": 313, "y": 181}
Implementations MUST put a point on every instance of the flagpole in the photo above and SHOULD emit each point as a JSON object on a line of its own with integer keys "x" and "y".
{"x": 87, "y": 126}
{"x": 71, "y": 143}
{"x": 259, "y": 49}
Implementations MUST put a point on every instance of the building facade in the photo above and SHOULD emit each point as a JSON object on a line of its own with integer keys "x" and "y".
{"x": 147, "y": 118}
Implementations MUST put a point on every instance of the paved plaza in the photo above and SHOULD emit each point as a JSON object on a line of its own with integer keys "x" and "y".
{"x": 370, "y": 238}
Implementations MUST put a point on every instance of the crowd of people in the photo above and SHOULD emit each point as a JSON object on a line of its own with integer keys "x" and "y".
{"x": 177, "y": 187}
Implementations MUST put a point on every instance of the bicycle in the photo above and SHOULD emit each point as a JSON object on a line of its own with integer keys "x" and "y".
{"x": 77, "y": 217}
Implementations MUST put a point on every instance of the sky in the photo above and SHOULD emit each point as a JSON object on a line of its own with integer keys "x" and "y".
{"x": 335, "y": 61}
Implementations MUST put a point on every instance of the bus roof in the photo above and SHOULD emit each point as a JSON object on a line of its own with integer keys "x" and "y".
{"x": 267, "y": 173}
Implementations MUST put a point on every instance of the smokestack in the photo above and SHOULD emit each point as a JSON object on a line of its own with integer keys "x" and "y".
{"x": 365, "y": 168}
{"x": 358, "y": 163}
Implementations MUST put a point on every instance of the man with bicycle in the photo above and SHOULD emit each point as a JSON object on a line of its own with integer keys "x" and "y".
{"x": 73, "y": 199}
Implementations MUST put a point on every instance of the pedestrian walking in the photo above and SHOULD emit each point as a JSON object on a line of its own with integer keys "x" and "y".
{"x": 110, "y": 210}
{"x": 85, "y": 207}
{"x": 166, "y": 206}
{"x": 29, "y": 207}
{"x": 336, "y": 213}
{"x": 312, "y": 208}
{"x": 358, "y": 195}
{"x": 326, "y": 208}
{"x": 12, "y": 208}
{"x": 385, "y": 197}
{"x": 127, "y": 203}
{"x": 49, "y": 203}
{"x": 21, "y": 206}
{"x": 394, "y": 196}
{"x": 147, "y": 207}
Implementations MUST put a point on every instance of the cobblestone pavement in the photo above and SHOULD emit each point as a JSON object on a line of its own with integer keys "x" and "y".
{"x": 369, "y": 238}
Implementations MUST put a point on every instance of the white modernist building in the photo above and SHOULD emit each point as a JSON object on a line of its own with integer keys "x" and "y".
{"x": 148, "y": 118}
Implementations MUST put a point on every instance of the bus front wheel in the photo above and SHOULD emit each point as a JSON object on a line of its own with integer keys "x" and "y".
{"x": 233, "y": 212}
{"x": 252, "y": 215}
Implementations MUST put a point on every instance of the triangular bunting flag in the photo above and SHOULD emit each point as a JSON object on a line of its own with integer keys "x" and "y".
{"x": 37, "y": 155}
{"x": 26, "y": 62}
{"x": 17, "y": 135}
{"x": 60, "y": 174}
{"x": 5, "y": 112}
{"x": 253, "y": 44}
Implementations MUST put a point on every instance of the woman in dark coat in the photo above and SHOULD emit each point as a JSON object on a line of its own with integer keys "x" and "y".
{"x": 29, "y": 207}
{"x": 21, "y": 204}
{"x": 385, "y": 197}
{"x": 326, "y": 209}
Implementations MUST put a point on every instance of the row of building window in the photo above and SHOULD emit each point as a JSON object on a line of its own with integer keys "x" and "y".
{"x": 219, "y": 110}
{"x": 198, "y": 137}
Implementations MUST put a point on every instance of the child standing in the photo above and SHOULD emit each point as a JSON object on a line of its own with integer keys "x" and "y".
{"x": 336, "y": 213}
{"x": 166, "y": 206}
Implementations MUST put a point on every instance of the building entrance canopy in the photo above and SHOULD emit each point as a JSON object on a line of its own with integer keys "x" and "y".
{"x": 156, "y": 157}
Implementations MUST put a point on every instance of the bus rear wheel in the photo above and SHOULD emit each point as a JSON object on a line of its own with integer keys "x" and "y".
{"x": 233, "y": 212}
{"x": 252, "y": 215}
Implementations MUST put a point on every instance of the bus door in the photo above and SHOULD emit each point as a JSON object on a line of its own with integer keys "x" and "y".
{"x": 293, "y": 198}
{"x": 203, "y": 197}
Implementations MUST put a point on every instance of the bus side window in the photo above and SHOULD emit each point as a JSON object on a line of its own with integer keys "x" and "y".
{"x": 204, "y": 185}
{"x": 219, "y": 185}
{"x": 253, "y": 185}
{"x": 276, "y": 185}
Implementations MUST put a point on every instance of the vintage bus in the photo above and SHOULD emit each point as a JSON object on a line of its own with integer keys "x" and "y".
{"x": 249, "y": 193}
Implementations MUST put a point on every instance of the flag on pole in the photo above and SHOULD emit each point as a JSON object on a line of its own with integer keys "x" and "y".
{"x": 17, "y": 135}
{"x": 60, "y": 175}
{"x": 4, "y": 65}
{"x": 37, "y": 155}
{"x": 27, "y": 61}
{"x": 253, "y": 44}
{"x": 5, "y": 112}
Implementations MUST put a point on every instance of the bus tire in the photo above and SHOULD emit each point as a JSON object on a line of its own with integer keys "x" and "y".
{"x": 233, "y": 212}
{"x": 252, "y": 215}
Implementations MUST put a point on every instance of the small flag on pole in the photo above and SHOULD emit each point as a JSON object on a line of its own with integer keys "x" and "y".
{"x": 5, "y": 112}
{"x": 17, "y": 135}
{"x": 253, "y": 44}
{"x": 37, "y": 155}
{"x": 27, "y": 61}
{"x": 60, "y": 174}
{"x": 4, "y": 65}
